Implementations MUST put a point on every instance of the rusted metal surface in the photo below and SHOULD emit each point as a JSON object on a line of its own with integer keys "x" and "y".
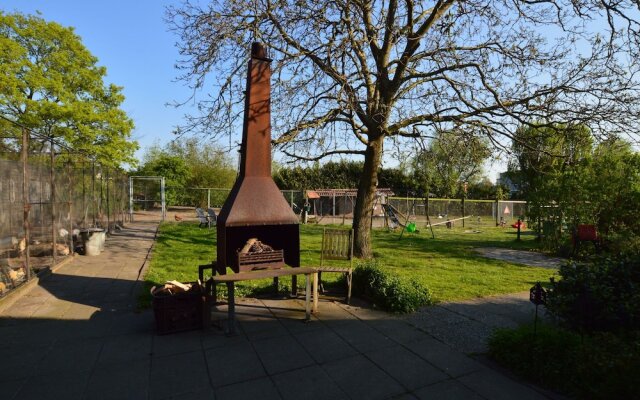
{"x": 255, "y": 207}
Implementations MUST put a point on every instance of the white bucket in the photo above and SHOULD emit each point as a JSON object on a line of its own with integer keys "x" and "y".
{"x": 95, "y": 244}
{"x": 102, "y": 237}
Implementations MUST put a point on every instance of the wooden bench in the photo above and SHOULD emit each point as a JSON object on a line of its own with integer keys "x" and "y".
{"x": 230, "y": 280}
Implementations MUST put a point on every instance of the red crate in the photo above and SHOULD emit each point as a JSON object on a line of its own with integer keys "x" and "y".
{"x": 178, "y": 312}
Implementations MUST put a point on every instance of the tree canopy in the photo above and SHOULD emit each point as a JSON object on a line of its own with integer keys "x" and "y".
{"x": 352, "y": 75}
{"x": 50, "y": 83}
{"x": 451, "y": 159}
{"x": 187, "y": 163}
{"x": 541, "y": 152}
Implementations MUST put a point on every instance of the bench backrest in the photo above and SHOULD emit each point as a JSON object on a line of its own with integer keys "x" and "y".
{"x": 257, "y": 261}
{"x": 337, "y": 244}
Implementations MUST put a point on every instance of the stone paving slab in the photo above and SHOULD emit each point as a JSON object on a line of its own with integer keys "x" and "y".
{"x": 78, "y": 333}
{"x": 311, "y": 381}
{"x": 412, "y": 371}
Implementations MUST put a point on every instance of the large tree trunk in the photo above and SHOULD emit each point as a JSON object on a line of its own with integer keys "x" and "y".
{"x": 366, "y": 198}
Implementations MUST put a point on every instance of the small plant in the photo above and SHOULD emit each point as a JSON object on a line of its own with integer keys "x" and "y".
{"x": 388, "y": 292}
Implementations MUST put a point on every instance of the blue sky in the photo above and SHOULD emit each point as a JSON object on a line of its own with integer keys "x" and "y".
{"x": 131, "y": 40}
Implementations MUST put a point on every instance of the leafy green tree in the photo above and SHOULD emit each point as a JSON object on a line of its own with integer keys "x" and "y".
{"x": 172, "y": 167}
{"x": 483, "y": 188}
{"x": 451, "y": 159}
{"x": 187, "y": 164}
{"x": 209, "y": 166}
{"x": 543, "y": 151}
{"x": 398, "y": 180}
{"x": 334, "y": 175}
{"x": 549, "y": 167}
{"x": 567, "y": 177}
{"x": 297, "y": 177}
{"x": 613, "y": 185}
{"x": 50, "y": 83}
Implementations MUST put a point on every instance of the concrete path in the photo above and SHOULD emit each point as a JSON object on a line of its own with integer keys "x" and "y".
{"x": 530, "y": 258}
{"x": 76, "y": 335}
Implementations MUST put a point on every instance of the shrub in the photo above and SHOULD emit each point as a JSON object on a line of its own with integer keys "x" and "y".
{"x": 597, "y": 366}
{"x": 388, "y": 292}
{"x": 625, "y": 244}
{"x": 600, "y": 296}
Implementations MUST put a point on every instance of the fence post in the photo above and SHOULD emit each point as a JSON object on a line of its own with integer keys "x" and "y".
{"x": 208, "y": 198}
{"x": 70, "y": 180}
{"x": 463, "y": 211}
{"x": 25, "y": 200}
{"x": 101, "y": 203}
{"x": 52, "y": 183}
{"x": 344, "y": 208}
{"x": 108, "y": 204}
{"x": 84, "y": 195}
{"x": 407, "y": 205}
{"x": 334, "y": 208}
{"x": 427, "y": 206}
{"x": 131, "y": 199}
{"x": 162, "y": 196}
{"x": 93, "y": 193}
{"x": 497, "y": 206}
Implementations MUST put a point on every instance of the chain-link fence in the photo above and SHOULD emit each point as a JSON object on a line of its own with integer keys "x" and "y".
{"x": 196, "y": 197}
{"x": 336, "y": 206}
{"x": 50, "y": 197}
{"x": 483, "y": 211}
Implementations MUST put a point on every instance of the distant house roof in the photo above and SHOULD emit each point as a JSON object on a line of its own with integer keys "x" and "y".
{"x": 312, "y": 194}
{"x": 505, "y": 180}
{"x": 345, "y": 192}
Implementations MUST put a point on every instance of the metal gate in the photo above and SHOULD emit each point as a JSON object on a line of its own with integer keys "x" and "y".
{"x": 146, "y": 194}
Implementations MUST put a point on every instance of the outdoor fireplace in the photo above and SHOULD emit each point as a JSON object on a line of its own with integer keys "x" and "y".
{"x": 255, "y": 207}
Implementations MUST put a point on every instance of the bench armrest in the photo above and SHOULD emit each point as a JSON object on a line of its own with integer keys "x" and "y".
{"x": 201, "y": 269}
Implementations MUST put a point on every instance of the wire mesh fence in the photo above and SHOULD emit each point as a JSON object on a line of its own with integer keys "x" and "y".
{"x": 336, "y": 206}
{"x": 196, "y": 197}
{"x": 50, "y": 198}
{"x": 485, "y": 211}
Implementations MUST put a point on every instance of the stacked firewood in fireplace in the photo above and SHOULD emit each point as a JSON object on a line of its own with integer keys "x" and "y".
{"x": 253, "y": 245}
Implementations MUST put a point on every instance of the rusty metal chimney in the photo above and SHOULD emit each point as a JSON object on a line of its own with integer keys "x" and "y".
{"x": 255, "y": 207}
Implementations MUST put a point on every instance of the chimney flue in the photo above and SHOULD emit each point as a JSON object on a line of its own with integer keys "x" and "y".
{"x": 258, "y": 51}
{"x": 255, "y": 207}
{"x": 256, "y": 132}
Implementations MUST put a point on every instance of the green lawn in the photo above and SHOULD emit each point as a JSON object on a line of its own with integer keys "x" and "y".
{"x": 447, "y": 264}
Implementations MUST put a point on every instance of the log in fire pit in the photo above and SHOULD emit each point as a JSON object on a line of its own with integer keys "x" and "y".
{"x": 255, "y": 207}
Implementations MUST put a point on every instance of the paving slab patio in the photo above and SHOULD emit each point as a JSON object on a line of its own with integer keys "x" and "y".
{"x": 78, "y": 335}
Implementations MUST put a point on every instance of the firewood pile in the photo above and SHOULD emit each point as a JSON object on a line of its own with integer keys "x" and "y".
{"x": 253, "y": 246}
{"x": 174, "y": 287}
